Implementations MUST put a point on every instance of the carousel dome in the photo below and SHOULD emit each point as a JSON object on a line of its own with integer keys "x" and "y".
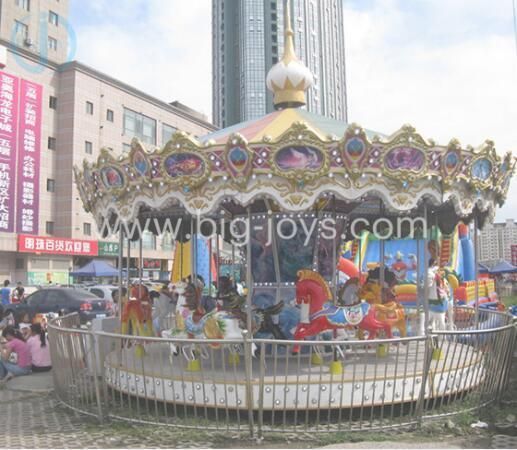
{"x": 289, "y": 78}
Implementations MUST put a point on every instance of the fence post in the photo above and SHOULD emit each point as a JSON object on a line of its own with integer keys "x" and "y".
{"x": 428, "y": 355}
{"x": 93, "y": 344}
{"x": 248, "y": 362}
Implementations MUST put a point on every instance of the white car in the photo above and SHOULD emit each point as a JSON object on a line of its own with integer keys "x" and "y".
{"x": 103, "y": 291}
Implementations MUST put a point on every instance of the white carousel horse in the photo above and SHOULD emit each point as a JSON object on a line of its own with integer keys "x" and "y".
{"x": 191, "y": 322}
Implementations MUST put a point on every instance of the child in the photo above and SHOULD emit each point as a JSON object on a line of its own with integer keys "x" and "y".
{"x": 24, "y": 324}
{"x": 40, "y": 353}
{"x": 17, "y": 346}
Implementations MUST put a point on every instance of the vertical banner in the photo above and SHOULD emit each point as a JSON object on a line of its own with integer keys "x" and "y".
{"x": 27, "y": 204}
{"x": 9, "y": 86}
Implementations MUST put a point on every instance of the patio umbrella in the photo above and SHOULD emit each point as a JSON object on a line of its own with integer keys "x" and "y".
{"x": 95, "y": 268}
{"x": 503, "y": 267}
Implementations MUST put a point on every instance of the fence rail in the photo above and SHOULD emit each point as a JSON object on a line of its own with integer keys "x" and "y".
{"x": 258, "y": 385}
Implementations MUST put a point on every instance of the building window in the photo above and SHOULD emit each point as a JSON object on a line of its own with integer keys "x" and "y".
{"x": 109, "y": 115}
{"x": 52, "y": 102}
{"x": 20, "y": 29}
{"x": 24, "y": 4}
{"x": 88, "y": 147}
{"x": 140, "y": 126}
{"x": 148, "y": 240}
{"x": 89, "y": 108}
{"x": 51, "y": 185}
{"x": 49, "y": 227}
{"x": 52, "y": 43}
{"x": 53, "y": 18}
{"x": 167, "y": 132}
{"x": 20, "y": 264}
{"x": 51, "y": 143}
{"x": 87, "y": 229}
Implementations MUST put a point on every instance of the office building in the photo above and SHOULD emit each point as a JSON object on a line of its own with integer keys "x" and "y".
{"x": 496, "y": 242}
{"x": 53, "y": 115}
{"x": 247, "y": 39}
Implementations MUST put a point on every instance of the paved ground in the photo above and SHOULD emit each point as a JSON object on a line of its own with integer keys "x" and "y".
{"x": 32, "y": 418}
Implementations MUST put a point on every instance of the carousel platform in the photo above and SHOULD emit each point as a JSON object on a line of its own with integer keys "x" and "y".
{"x": 369, "y": 377}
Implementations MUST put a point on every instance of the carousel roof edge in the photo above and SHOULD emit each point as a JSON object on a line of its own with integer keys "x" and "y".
{"x": 294, "y": 169}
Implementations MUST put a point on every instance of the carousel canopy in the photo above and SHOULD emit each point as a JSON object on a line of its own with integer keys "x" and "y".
{"x": 292, "y": 161}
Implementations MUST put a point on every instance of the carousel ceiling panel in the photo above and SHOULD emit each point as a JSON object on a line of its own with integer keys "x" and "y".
{"x": 295, "y": 168}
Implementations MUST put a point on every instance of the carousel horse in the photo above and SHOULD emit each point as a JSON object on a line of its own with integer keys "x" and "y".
{"x": 192, "y": 322}
{"x": 318, "y": 312}
{"x": 136, "y": 316}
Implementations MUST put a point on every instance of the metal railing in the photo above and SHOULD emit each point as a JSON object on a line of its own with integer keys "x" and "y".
{"x": 258, "y": 385}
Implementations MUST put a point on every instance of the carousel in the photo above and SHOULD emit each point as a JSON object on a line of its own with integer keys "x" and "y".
{"x": 293, "y": 195}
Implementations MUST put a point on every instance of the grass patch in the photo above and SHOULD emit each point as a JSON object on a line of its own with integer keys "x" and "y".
{"x": 510, "y": 300}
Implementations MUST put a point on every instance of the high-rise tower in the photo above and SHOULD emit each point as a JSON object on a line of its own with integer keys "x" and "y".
{"x": 247, "y": 39}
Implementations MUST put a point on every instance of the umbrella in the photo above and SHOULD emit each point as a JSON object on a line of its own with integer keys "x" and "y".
{"x": 503, "y": 267}
{"x": 482, "y": 268}
{"x": 95, "y": 268}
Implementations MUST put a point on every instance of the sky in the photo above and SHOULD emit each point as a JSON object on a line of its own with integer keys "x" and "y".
{"x": 447, "y": 67}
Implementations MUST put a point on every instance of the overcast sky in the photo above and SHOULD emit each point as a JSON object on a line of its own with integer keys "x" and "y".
{"x": 448, "y": 67}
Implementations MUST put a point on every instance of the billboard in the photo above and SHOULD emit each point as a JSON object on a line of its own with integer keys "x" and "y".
{"x": 9, "y": 99}
{"x": 29, "y": 138}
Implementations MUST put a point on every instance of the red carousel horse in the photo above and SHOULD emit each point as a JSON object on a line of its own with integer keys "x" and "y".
{"x": 318, "y": 312}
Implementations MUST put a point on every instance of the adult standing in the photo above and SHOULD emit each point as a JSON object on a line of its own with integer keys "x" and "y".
{"x": 18, "y": 295}
{"x": 164, "y": 306}
{"x": 5, "y": 293}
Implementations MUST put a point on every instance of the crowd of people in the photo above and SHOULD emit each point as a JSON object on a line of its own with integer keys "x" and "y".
{"x": 24, "y": 346}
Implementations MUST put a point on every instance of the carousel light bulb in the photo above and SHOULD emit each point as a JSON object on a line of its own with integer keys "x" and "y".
{"x": 161, "y": 183}
{"x": 138, "y": 187}
{"x": 346, "y": 175}
{"x": 264, "y": 154}
{"x": 260, "y": 160}
{"x": 331, "y": 175}
{"x": 225, "y": 178}
{"x": 356, "y": 131}
{"x": 334, "y": 152}
{"x": 371, "y": 160}
{"x": 269, "y": 175}
{"x": 253, "y": 176}
{"x": 128, "y": 189}
{"x": 212, "y": 157}
{"x": 300, "y": 137}
{"x": 234, "y": 141}
{"x": 379, "y": 175}
{"x": 150, "y": 185}
{"x": 210, "y": 180}
{"x": 178, "y": 145}
{"x": 429, "y": 177}
{"x": 363, "y": 175}
{"x": 218, "y": 163}
{"x": 338, "y": 160}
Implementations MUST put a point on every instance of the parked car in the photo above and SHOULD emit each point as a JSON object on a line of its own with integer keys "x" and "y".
{"x": 103, "y": 291}
{"x": 63, "y": 300}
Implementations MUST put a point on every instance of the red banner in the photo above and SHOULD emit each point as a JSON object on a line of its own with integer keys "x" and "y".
{"x": 56, "y": 246}
{"x": 8, "y": 129}
{"x": 27, "y": 204}
{"x": 152, "y": 264}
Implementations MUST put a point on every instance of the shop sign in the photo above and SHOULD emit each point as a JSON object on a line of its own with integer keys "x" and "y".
{"x": 152, "y": 263}
{"x": 56, "y": 246}
{"x": 108, "y": 248}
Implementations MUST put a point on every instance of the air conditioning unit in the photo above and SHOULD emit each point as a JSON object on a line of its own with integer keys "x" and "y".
{"x": 28, "y": 42}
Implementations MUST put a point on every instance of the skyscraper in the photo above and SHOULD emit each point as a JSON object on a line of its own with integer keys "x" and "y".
{"x": 247, "y": 39}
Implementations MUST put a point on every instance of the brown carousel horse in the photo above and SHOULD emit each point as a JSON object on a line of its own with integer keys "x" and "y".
{"x": 318, "y": 312}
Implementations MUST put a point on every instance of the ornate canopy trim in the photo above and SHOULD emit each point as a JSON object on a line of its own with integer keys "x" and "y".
{"x": 295, "y": 170}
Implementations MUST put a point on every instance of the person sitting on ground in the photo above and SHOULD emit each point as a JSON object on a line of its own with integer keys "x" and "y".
{"x": 23, "y": 323}
{"x": 39, "y": 348}
{"x": 6, "y": 318}
{"x": 16, "y": 349}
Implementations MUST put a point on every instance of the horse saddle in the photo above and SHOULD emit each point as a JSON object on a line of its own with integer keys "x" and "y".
{"x": 339, "y": 315}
